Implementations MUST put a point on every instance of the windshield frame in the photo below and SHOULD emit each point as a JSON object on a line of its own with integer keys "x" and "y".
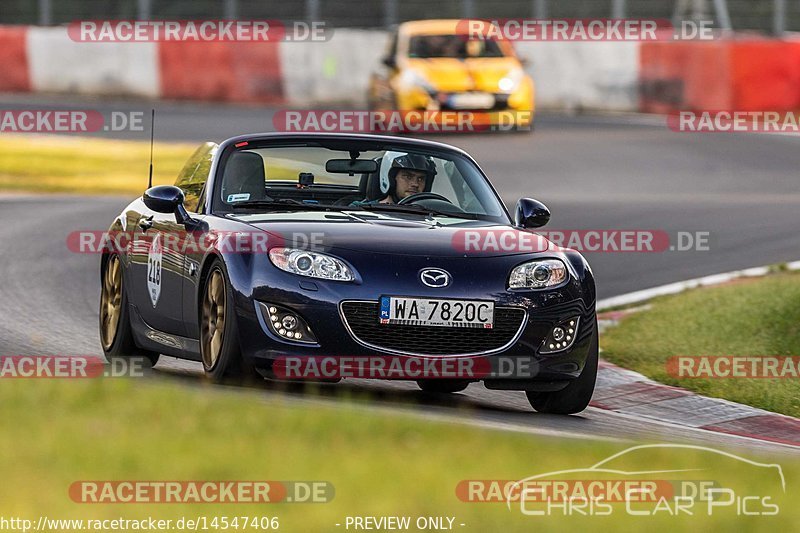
{"x": 344, "y": 142}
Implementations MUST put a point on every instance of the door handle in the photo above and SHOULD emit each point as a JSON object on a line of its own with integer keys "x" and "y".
{"x": 146, "y": 223}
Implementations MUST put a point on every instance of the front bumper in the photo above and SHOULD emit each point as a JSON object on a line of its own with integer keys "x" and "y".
{"x": 516, "y": 355}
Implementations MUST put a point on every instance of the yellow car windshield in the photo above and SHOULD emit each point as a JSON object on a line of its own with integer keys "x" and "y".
{"x": 451, "y": 46}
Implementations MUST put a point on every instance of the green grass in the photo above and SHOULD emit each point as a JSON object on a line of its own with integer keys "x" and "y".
{"x": 56, "y": 432}
{"x": 747, "y": 317}
{"x": 44, "y": 163}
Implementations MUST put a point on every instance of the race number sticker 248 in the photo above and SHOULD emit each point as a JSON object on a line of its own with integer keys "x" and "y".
{"x": 154, "y": 257}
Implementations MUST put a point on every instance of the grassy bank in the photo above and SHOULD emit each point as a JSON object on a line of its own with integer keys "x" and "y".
{"x": 752, "y": 317}
{"x": 56, "y": 432}
{"x": 47, "y": 163}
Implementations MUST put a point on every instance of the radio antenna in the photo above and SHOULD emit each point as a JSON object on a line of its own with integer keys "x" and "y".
{"x": 152, "y": 129}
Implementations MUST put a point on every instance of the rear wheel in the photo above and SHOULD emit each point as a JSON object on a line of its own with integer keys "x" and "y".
{"x": 116, "y": 336}
{"x": 576, "y": 396}
{"x": 219, "y": 335}
{"x": 442, "y": 385}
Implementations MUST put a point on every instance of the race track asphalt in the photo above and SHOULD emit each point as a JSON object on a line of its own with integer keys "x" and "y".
{"x": 594, "y": 172}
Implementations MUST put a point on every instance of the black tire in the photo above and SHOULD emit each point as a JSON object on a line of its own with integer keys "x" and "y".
{"x": 577, "y": 395}
{"x": 442, "y": 386}
{"x": 119, "y": 343}
{"x": 228, "y": 365}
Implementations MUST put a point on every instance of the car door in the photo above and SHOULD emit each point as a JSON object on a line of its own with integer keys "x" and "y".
{"x": 193, "y": 185}
{"x": 158, "y": 266}
{"x": 158, "y": 270}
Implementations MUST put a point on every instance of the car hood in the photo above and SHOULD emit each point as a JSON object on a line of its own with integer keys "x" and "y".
{"x": 382, "y": 233}
{"x": 473, "y": 74}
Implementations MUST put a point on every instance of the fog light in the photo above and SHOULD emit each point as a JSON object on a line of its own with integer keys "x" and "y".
{"x": 561, "y": 337}
{"x": 285, "y": 324}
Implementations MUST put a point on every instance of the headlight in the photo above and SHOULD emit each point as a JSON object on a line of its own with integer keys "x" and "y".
{"x": 413, "y": 78}
{"x": 311, "y": 264}
{"x": 511, "y": 81}
{"x": 538, "y": 275}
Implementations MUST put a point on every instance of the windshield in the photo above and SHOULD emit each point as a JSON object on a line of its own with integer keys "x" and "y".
{"x": 310, "y": 177}
{"x": 453, "y": 46}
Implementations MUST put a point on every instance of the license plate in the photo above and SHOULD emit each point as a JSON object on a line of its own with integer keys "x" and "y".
{"x": 437, "y": 312}
{"x": 472, "y": 101}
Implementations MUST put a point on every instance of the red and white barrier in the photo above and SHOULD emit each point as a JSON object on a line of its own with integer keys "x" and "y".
{"x": 220, "y": 71}
{"x": 57, "y": 64}
{"x": 13, "y": 59}
{"x": 652, "y": 76}
{"x": 333, "y": 72}
{"x": 748, "y": 74}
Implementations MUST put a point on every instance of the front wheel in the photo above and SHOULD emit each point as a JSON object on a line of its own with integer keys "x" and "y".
{"x": 576, "y": 396}
{"x": 219, "y": 335}
{"x": 116, "y": 336}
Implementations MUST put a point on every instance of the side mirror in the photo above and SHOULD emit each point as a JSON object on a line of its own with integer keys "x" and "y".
{"x": 389, "y": 62}
{"x": 166, "y": 199}
{"x": 531, "y": 213}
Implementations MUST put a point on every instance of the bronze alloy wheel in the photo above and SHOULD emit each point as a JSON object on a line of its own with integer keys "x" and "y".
{"x": 213, "y": 318}
{"x": 111, "y": 301}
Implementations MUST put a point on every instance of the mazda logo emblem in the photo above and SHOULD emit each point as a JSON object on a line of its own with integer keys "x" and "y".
{"x": 435, "y": 277}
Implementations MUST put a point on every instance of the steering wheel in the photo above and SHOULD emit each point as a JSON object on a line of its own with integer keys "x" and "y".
{"x": 422, "y": 196}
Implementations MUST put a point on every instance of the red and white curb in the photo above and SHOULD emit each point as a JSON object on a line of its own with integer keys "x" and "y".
{"x": 627, "y": 392}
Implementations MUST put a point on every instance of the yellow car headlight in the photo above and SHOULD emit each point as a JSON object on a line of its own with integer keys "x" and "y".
{"x": 510, "y": 82}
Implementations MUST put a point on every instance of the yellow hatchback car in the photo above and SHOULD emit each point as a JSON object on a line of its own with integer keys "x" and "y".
{"x": 434, "y": 65}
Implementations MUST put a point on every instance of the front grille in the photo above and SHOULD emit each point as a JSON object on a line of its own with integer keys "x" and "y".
{"x": 362, "y": 320}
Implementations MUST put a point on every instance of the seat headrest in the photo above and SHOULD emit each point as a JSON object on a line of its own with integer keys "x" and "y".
{"x": 370, "y": 185}
{"x": 244, "y": 174}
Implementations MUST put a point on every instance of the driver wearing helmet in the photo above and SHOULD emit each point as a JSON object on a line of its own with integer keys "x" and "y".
{"x": 403, "y": 175}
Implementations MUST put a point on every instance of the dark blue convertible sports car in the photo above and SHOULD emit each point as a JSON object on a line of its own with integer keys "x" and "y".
{"x": 278, "y": 248}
